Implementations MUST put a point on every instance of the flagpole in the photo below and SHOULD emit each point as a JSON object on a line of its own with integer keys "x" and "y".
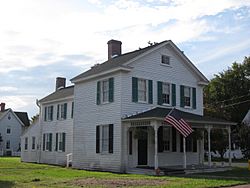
{"x": 184, "y": 153}
{"x": 171, "y": 111}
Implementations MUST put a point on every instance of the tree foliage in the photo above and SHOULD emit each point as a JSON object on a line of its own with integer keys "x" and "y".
{"x": 228, "y": 96}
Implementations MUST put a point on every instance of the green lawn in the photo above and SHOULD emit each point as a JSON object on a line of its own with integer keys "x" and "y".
{"x": 13, "y": 173}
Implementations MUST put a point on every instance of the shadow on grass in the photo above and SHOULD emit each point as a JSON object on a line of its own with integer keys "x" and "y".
{"x": 6, "y": 184}
{"x": 237, "y": 174}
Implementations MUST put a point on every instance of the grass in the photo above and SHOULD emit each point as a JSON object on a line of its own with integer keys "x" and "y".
{"x": 13, "y": 173}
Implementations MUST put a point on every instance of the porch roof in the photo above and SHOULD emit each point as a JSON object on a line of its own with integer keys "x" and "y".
{"x": 160, "y": 114}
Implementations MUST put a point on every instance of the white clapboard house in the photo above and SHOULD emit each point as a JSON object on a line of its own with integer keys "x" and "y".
{"x": 12, "y": 125}
{"x": 119, "y": 111}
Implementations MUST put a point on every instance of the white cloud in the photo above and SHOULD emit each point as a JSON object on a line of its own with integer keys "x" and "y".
{"x": 7, "y": 88}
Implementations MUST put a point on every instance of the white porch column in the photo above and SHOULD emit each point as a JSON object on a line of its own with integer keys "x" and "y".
{"x": 184, "y": 153}
{"x": 229, "y": 146}
{"x": 209, "y": 147}
{"x": 156, "y": 145}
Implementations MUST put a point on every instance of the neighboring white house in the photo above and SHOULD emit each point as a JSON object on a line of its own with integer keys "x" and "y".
{"x": 30, "y": 142}
{"x": 12, "y": 125}
{"x": 55, "y": 127}
{"x": 119, "y": 111}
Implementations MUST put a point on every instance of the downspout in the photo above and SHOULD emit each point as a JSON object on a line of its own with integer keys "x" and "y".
{"x": 40, "y": 135}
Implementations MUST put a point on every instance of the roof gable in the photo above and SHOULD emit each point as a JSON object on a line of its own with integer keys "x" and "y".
{"x": 124, "y": 60}
{"x": 22, "y": 117}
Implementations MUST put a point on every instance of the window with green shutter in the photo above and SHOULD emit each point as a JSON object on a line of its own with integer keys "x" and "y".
{"x": 194, "y": 98}
{"x": 105, "y": 91}
{"x": 182, "y": 104}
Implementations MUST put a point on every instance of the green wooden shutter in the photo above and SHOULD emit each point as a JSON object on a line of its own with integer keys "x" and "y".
{"x": 65, "y": 110}
{"x": 111, "y": 137}
{"x": 52, "y": 112}
{"x": 111, "y": 89}
{"x": 64, "y": 141}
{"x": 182, "y": 96}
{"x": 50, "y": 141}
{"x": 150, "y": 91}
{"x": 56, "y": 142}
{"x": 45, "y": 113}
{"x": 160, "y": 139}
{"x": 43, "y": 142}
{"x": 159, "y": 92}
{"x": 134, "y": 89}
{"x": 194, "y": 98}
{"x": 97, "y": 139}
{"x": 57, "y": 114}
{"x": 173, "y": 95}
{"x": 98, "y": 93}
{"x": 130, "y": 142}
{"x": 173, "y": 139}
{"x": 72, "y": 110}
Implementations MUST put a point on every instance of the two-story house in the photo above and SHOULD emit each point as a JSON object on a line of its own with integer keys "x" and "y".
{"x": 112, "y": 119}
{"x": 120, "y": 106}
{"x": 12, "y": 125}
{"x": 50, "y": 139}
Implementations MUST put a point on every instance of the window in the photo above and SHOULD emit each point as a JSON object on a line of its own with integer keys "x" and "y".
{"x": 60, "y": 141}
{"x": 47, "y": 142}
{"x": 8, "y": 144}
{"x": 8, "y": 131}
{"x": 166, "y": 138}
{"x": 72, "y": 110}
{"x": 142, "y": 90}
{"x": 48, "y": 113}
{"x": 62, "y": 111}
{"x": 165, "y": 59}
{"x": 187, "y": 96}
{"x": 26, "y": 143}
{"x": 33, "y": 143}
{"x": 105, "y": 91}
{"x": 104, "y": 138}
{"x": 166, "y": 93}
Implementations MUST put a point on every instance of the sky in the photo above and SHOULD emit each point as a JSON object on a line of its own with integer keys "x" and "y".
{"x": 44, "y": 39}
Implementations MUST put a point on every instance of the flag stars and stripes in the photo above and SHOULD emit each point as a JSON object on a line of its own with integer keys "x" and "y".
{"x": 174, "y": 119}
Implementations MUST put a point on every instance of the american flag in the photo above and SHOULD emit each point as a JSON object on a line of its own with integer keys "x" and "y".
{"x": 174, "y": 119}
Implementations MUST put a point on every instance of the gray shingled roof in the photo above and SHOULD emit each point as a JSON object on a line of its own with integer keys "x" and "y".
{"x": 23, "y": 116}
{"x": 162, "y": 112}
{"x": 115, "y": 62}
{"x": 61, "y": 93}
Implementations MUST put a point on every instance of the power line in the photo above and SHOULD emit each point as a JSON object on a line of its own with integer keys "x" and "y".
{"x": 229, "y": 99}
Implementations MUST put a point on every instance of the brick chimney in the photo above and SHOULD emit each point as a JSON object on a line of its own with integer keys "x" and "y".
{"x": 114, "y": 48}
{"x": 60, "y": 83}
{"x": 2, "y": 107}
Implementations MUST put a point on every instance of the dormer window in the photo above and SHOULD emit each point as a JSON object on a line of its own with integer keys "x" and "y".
{"x": 165, "y": 60}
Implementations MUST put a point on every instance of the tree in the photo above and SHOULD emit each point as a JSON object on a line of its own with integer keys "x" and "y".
{"x": 228, "y": 96}
{"x": 34, "y": 118}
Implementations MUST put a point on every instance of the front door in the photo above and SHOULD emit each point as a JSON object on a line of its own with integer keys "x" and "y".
{"x": 143, "y": 147}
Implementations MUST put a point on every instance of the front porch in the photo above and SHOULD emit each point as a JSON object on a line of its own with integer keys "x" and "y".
{"x": 150, "y": 143}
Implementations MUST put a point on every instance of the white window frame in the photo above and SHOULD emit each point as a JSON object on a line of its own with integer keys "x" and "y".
{"x": 33, "y": 143}
{"x": 7, "y": 146}
{"x": 165, "y": 60}
{"x": 190, "y": 100}
{"x": 140, "y": 80}
{"x": 62, "y": 112}
{"x": 26, "y": 143}
{"x": 47, "y": 142}
{"x": 170, "y": 93}
{"x": 166, "y": 138}
{"x": 104, "y": 141}
{"x": 104, "y": 91}
{"x": 60, "y": 142}
{"x": 8, "y": 128}
{"x": 50, "y": 113}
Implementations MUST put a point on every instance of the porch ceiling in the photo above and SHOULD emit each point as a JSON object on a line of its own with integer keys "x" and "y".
{"x": 160, "y": 113}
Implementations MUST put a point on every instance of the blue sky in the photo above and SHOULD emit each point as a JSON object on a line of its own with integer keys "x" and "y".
{"x": 43, "y": 39}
